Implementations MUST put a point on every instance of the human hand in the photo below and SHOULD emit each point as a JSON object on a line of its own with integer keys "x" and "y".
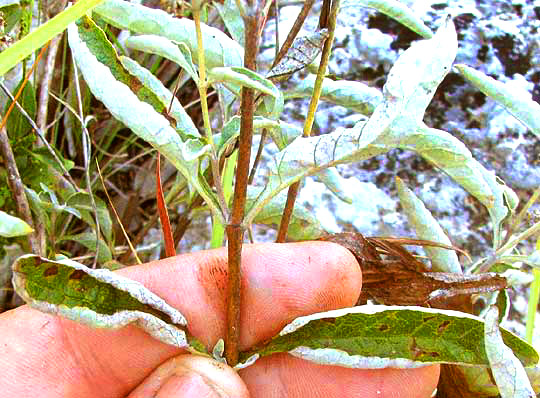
{"x": 47, "y": 356}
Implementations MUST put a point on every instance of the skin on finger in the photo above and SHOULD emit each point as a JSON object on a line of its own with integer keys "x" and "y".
{"x": 280, "y": 282}
{"x": 283, "y": 375}
{"x": 192, "y": 376}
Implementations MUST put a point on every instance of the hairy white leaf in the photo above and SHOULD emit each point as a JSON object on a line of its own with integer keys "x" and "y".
{"x": 519, "y": 103}
{"x": 507, "y": 370}
{"x": 428, "y": 228}
{"x": 219, "y": 49}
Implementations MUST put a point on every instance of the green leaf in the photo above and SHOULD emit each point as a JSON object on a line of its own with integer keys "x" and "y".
{"x": 534, "y": 259}
{"x": 98, "y": 45}
{"x": 478, "y": 381}
{"x": 353, "y": 95}
{"x": 507, "y": 370}
{"x": 219, "y": 49}
{"x": 133, "y": 109}
{"x": 11, "y": 227}
{"x": 308, "y": 155}
{"x": 17, "y": 125}
{"x": 96, "y": 297}
{"x": 184, "y": 125}
{"x": 12, "y": 14}
{"x": 43, "y": 155}
{"x": 231, "y": 130}
{"x": 428, "y": 228}
{"x": 88, "y": 240}
{"x": 284, "y": 134}
{"x": 452, "y": 156}
{"x": 230, "y": 13}
{"x": 412, "y": 82}
{"x": 38, "y": 207}
{"x": 518, "y": 102}
{"x": 194, "y": 148}
{"x": 54, "y": 205}
{"x": 243, "y": 77}
{"x": 410, "y": 87}
{"x": 83, "y": 203}
{"x": 176, "y": 52}
{"x": 400, "y": 12}
{"x": 37, "y": 38}
{"x": 376, "y": 336}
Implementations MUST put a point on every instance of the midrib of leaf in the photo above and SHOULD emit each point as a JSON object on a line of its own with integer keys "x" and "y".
{"x": 61, "y": 285}
{"x": 412, "y": 333}
{"x": 98, "y": 44}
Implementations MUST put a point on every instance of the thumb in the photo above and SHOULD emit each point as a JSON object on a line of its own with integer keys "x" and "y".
{"x": 191, "y": 376}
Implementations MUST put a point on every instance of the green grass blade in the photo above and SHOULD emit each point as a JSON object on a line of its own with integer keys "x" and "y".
{"x": 24, "y": 47}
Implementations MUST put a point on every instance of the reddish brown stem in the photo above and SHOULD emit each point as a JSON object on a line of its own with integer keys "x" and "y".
{"x": 163, "y": 213}
{"x": 257, "y": 157}
{"x": 294, "y": 31}
{"x": 330, "y": 22}
{"x": 287, "y": 212}
{"x": 235, "y": 229}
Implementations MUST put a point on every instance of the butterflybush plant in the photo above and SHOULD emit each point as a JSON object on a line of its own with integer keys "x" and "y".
{"x": 251, "y": 102}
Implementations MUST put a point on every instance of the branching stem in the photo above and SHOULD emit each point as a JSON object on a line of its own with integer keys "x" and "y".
{"x": 202, "y": 85}
{"x": 235, "y": 229}
{"x": 308, "y": 125}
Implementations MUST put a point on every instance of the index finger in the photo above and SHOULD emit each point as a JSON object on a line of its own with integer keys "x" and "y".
{"x": 279, "y": 283}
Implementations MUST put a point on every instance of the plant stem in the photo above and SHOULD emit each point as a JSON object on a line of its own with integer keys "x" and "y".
{"x": 308, "y": 125}
{"x": 521, "y": 237}
{"x": 41, "y": 119}
{"x": 306, "y": 8}
{"x": 218, "y": 229}
{"x": 235, "y": 227}
{"x": 521, "y": 215}
{"x": 257, "y": 157}
{"x": 287, "y": 212}
{"x": 17, "y": 189}
{"x": 534, "y": 298}
{"x": 202, "y": 85}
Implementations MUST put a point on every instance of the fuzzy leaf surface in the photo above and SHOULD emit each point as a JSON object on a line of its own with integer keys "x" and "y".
{"x": 353, "y": 95}
{"x": 184, "y": 125}
{"x": 518, "y": 103}
{"x": 243, "y": 77}
{"x": 507, "y": 370}
{"x": 134, "y": 104}
{"x": 373, "y": 336}
{"x": 219, "y": 49}
{"x": 335, "y": 183}
{"x": 177, "y": 52}
{"x": 230, "y": 13}
{"x": 95, "y": 297}
{"x": 428, "y": 228}
{"x": 410, "y": 87}
{"x": 398, "y": 11}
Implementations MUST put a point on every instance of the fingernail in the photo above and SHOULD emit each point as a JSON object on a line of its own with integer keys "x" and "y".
{"x": 191, "y": 376}
{"x": 187, "y": 385}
